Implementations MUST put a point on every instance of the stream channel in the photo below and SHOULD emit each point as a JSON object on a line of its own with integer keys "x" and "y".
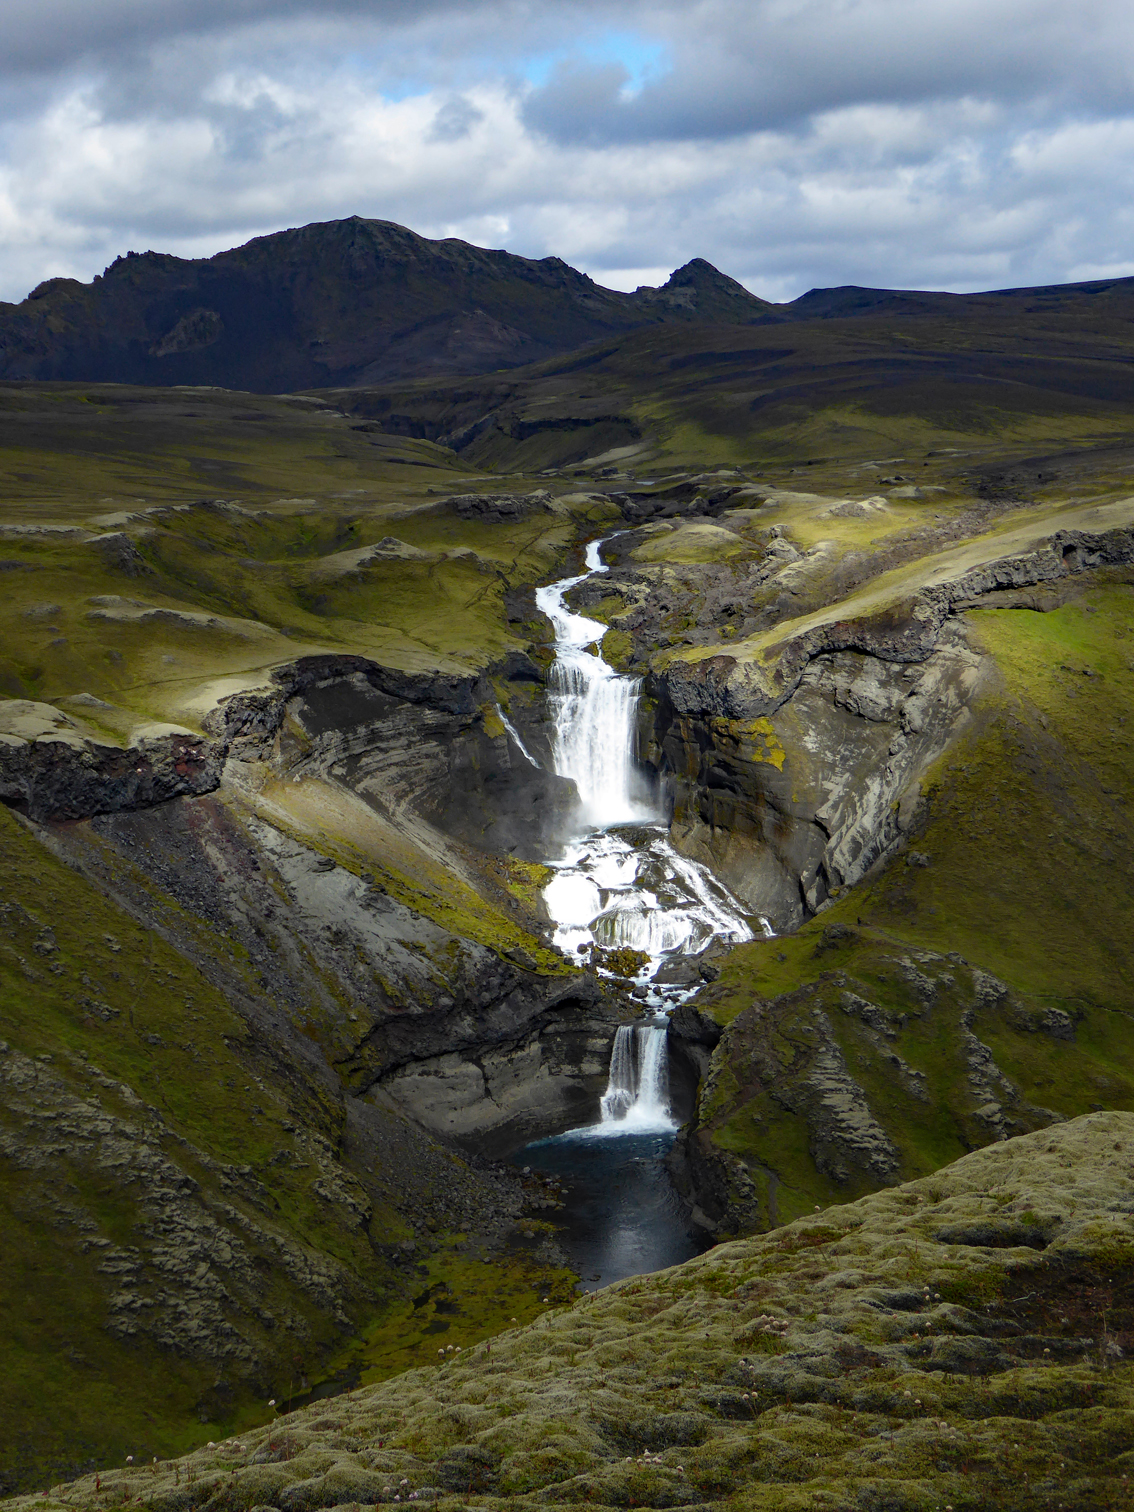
{"x": 619, "y": 882}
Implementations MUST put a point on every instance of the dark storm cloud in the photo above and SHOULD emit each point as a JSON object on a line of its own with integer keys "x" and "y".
{"x": 740, "y": 67}
{"x": 54, "y": 34}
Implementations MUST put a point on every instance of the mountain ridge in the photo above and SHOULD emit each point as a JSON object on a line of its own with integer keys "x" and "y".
{"x": 360, "y": 302}
{"x": 341, "y": 302}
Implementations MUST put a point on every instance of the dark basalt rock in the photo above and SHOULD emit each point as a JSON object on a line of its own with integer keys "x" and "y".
{"x": 52, "y": 780}
{"x": 354, "y": 301}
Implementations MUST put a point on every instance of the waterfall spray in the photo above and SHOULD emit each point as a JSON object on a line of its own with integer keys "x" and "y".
{"x": 636, "y": 1099}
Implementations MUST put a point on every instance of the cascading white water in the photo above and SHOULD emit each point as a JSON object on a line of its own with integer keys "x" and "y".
{"x": 607, "y": 889}
{"x": 515, "y": 734}
{"x": 594, "y": 711}
{"x": 636, "y": 1100}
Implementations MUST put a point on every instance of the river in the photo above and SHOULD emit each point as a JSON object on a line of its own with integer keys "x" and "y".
{"x": 619, "y": 882}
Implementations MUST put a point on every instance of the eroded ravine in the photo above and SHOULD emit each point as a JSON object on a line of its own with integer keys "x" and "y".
{"x": 619, "y": 885}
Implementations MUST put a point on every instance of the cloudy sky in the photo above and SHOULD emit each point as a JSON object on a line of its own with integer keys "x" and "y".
{"x": 953, "y": 144}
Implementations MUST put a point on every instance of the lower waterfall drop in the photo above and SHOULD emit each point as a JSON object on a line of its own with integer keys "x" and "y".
{"x": 636, "y": 1099}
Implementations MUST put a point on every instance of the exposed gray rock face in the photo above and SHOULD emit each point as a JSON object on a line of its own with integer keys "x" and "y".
{"x": 499, "y": 1097}
{"x": 404, "y": 1001}
{"x": 415, "y": 739}
{"x": 792, "y": 776}
{"x": 908, "y": 632}
{"x": 790, "y": 814}
{"x": 799, "y": 1054}
{"x": 841, "y": 1119}
{"x": 480, "y": 1044}
{"x": 415, "y": 743}
{"x": 436, "y": 759}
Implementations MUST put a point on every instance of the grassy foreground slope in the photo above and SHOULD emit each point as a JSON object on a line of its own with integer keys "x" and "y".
{"x": 955, "y": 1342}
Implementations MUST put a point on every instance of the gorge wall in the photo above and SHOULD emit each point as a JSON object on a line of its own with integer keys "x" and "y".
{"x": 951, "y": 807}
{"x": 286, "y": 973}
{"x": 827, "y": 766}
{"x": 294, "y": 965}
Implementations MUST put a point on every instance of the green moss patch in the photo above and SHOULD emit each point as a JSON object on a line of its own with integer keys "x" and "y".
{"x": 829, "y": 1363}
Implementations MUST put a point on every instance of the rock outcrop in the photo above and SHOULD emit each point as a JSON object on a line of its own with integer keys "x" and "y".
{"x": 796, "y": 766}
{"x": 829, "y": 1064}
{"x": 53, "y": 767}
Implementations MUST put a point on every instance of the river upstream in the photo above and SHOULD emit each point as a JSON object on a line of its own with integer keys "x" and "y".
{"x": 619, "y": 882}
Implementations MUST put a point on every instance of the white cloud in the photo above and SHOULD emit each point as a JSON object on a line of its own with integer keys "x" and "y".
{"x": 794, "y": 143}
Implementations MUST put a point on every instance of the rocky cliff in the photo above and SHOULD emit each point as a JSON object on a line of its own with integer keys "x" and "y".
{"x": 921, "y": 788}
{"x": 246, "y": 1009}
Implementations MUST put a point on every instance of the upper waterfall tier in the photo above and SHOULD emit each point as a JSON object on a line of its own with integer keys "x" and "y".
{"x": 608, "y": 889}
{"x": 595, "y": 713}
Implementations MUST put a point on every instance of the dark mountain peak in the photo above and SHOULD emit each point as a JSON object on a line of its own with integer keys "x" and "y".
{"x": 697, "y": 271}
{"x": 698, "y": 291}
{"x": 343, "y": 302}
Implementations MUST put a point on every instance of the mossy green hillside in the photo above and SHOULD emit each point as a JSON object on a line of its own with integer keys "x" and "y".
{"x": 951, "y": 1342}
{"x": 202, "y": 618}
{"x": 126, "y": 1025}
{"x": 122, "y": 1026}
{"x": 933, "y": 396}
{"x": 462, "y": 1301}
{"x": 76, "y": 451}
{"x": 1020, "y": 869}
{"x": 111, "y": 494}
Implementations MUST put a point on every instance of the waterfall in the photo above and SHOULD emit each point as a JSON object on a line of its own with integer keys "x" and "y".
{"x": 594, "y": 712}
{"x": 515, "y": 734}
{"x": 595, "y": 716}
{"x": 636, "y": 1099}
{"x": 619, "y": 890}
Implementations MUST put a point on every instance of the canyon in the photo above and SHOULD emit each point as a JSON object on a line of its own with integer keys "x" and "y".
{"x": 303, "y": 833}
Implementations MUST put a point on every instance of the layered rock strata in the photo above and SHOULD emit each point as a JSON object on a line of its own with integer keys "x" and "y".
{"x": 795, "y": 769}
{"x": 829, "y": 1064}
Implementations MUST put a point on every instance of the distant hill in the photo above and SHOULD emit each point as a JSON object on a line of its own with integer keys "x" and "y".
{"x": 337, "y": 303}
{"x": 839, "y": 373}
{"x": 362, "y": 303}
